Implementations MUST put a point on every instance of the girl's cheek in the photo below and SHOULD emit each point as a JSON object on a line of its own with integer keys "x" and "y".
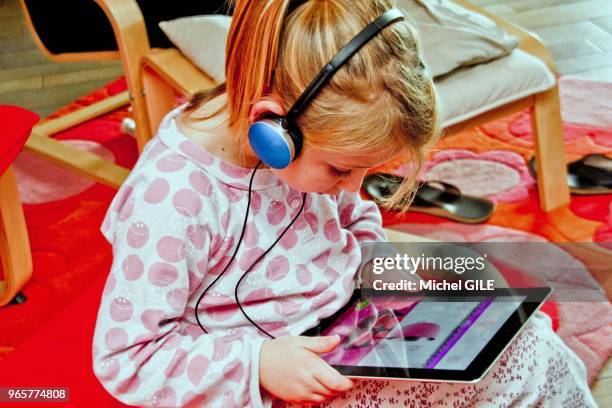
{"x": 310, "y": 185}
{"x": 318, "y": 182}
{"x": 306, "y": 181}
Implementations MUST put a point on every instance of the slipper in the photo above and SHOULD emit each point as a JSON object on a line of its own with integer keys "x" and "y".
{"x": 433, "y": 197}
{"x": 590, "y": 175}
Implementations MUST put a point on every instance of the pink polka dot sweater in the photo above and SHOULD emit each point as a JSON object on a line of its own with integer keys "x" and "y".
{"x": 174, "y": 225}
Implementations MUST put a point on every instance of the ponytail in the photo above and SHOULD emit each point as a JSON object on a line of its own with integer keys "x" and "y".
{"x": 252, "y": 52}
{"x": 251, "y": 55}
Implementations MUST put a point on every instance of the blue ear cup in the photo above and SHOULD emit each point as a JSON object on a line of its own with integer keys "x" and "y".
{"x": 273, "y": 143}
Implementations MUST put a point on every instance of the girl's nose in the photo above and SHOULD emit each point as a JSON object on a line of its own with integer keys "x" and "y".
{"x": 352, "y": 184}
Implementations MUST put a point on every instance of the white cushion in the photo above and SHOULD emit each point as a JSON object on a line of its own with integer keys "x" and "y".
{"x": 451, "y": 37}
{"x": 468, "y": 92}
{"x": 202, "y": 39}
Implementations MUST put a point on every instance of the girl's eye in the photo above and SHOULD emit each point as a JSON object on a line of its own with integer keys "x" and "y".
{"x": 341, "y": 173}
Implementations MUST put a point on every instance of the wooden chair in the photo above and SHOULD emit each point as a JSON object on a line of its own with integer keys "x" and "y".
{"x": 53, "y": 26}
{"x": 156, "y": 76}
{"x": 14, "y": 242}
{"x": 545, "y": 119}
{"x": 48, "y": 22}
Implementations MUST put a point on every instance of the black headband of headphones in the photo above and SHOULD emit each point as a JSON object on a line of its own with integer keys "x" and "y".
{"x": 338, "y": 60}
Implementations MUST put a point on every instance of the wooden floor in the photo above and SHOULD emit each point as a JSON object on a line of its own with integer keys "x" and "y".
{"x": 30, "y": 80}
{"x": 578, "y": 33}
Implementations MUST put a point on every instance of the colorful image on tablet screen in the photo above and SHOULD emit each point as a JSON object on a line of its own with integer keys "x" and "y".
{"x": 418, "y": 333}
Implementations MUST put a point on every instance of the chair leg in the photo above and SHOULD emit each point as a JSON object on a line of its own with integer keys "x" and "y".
{"x": 76, "y": 160}
{"x": 84, "y": 114}
{"x": 14, "y": 242}
{"x": 133, "y": 42}
{"x": 19, "y": 299}
{"x": 159, "y": 99}
{"x": 550, "y": 154}
{"x": 87, "y": 164}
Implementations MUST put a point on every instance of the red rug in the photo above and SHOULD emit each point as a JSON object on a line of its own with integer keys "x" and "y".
{"x": 64, "y": 212}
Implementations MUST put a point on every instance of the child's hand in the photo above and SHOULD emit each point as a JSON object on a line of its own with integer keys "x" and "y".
{"x": 290, "y": 368}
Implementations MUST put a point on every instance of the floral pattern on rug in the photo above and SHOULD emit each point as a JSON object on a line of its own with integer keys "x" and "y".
{"x": 40, "y": 181}
{"x": 500, "y": 175}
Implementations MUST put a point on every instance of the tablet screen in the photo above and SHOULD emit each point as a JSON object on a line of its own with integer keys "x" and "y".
{"x": 419, "y": 333}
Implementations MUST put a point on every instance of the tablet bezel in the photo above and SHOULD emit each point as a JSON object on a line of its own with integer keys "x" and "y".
{"x": 534, "y": 298}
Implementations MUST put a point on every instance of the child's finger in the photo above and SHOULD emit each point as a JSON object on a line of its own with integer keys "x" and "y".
{"x": 308, "y": 391}
{"x": 320, "y": 344}
{"x": 331, "y": 378}
{"x": 316, "y": 387}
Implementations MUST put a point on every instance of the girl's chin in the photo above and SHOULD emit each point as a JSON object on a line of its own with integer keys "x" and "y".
{"x": 309, "y": 189}
{"x": 332, "y": 191}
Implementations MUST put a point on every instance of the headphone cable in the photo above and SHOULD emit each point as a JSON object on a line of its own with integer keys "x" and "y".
{"x": 252, "y": 265}
{"x": 257, "y": 260}
{"x": 246, "y": 215}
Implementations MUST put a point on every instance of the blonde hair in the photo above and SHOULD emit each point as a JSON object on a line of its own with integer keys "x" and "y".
{"x": 381, "y": 99}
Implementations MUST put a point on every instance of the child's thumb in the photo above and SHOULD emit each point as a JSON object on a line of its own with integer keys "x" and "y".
{"x": 322, "y": 344}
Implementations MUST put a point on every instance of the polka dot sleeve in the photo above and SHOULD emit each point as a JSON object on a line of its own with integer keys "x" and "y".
{"x": 146, "y": 349}
{"x": 361, "y": 217}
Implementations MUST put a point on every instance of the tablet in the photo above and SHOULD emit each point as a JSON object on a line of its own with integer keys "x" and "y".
{"x": 453, "y": 336}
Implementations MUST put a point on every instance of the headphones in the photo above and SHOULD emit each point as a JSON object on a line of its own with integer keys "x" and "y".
{"x": 277, "y": 141}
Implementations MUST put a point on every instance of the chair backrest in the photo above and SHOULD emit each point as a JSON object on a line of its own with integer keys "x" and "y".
{"x": 72, "y": 30}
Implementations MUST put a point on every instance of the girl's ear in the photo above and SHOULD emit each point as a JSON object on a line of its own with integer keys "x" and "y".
{"x": 270, "y": 104}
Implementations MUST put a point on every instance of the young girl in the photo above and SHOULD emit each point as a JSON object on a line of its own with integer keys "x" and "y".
{"x": 177, "y": 221}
